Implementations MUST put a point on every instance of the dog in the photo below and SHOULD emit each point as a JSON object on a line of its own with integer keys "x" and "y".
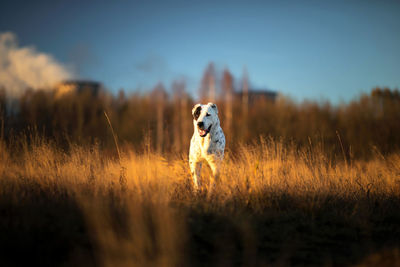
{"x": 207, "y": 143}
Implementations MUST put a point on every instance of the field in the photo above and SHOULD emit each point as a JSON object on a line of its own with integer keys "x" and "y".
{"x": 275, "y": 204}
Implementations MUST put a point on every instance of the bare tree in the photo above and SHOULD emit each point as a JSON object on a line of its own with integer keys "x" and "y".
{"x": 245, "y": 103}
{"x": 179, "y": 120}
{"x": 208, "y": 89}
{"x": 159, "y": 96}
{"x": 227, "y": 87}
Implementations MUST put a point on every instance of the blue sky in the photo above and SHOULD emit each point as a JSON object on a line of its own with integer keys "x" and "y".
{"x": 305, "y": 49}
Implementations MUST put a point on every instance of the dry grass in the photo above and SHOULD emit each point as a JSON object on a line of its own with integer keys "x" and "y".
{"x": 274, "y": 204}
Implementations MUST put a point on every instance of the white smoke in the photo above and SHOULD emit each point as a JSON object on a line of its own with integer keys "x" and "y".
{"x": 24, "y": 67}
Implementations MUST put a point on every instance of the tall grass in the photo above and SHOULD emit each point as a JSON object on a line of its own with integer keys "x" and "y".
{"x": 274, "y": 204}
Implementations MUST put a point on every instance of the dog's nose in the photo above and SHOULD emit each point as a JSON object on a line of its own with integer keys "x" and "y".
{"x": 200, "y": 124}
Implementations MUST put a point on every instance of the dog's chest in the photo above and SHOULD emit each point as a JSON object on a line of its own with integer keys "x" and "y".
{"x": 210, "y": 145}
{"x": 201, "y": 145}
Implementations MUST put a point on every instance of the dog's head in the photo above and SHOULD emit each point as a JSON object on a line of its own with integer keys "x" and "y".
{"x": 204, "y": 118}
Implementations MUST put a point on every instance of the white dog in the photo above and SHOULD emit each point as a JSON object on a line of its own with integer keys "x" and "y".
{"x": 208, "y": 141}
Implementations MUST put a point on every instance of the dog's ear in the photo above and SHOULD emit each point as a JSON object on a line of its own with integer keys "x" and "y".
{"x": 214, "y": 106}
{"x": 196, "y": 110}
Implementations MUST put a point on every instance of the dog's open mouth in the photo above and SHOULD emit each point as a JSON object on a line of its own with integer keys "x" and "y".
{"x": 203, "y": 133}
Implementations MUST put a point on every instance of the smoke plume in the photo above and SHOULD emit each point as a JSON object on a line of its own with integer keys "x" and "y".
{"x": 24, "y": 67}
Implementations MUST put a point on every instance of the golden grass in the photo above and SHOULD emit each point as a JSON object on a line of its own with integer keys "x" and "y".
{"x": 274, "y": 204}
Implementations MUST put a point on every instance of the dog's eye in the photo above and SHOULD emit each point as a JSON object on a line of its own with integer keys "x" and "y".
{"x": 208, "y": 114}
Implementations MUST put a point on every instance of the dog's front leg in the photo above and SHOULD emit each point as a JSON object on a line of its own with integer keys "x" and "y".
{"x": 214, "y": 164}
{"x": 195, "y": 169}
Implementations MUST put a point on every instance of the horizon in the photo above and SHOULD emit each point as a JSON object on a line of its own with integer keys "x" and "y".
{"x": 332, "y": 51}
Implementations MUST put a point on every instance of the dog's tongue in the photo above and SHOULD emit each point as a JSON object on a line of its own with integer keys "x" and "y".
{"x": 202, "y": 132}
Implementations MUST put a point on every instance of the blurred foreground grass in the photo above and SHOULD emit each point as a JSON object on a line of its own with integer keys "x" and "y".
{"x": 274, "y": 205}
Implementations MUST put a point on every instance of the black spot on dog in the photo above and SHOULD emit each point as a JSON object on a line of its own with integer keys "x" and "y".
{"x": 197, "y": 112}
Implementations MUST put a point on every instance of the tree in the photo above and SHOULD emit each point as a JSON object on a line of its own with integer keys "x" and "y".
{"x": 227, "y": 87}
{"x": 207, "y": 91}
{"x": 180, "y": 107}
{"x": 159, "y": 96}
{"x": 245, "y": 104}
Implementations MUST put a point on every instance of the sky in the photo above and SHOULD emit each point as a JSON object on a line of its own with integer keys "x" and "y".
{"x": 318, "y": 50}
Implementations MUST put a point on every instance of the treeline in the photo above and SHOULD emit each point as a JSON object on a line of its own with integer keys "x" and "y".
{"x": 162, "y": 122}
